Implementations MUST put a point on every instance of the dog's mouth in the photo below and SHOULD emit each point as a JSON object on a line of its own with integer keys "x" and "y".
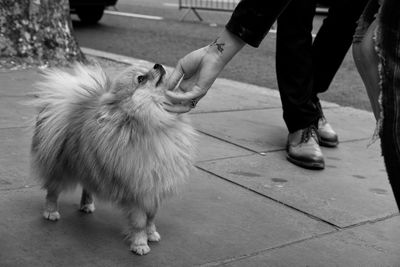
{"x": 158, "y": 72}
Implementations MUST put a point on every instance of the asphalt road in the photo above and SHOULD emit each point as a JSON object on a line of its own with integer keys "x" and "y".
{"x": 166, "y": 41}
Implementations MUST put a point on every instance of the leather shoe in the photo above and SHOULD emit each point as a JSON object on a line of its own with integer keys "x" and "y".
{"x": 327, "y": 136}
{"x": 303, "y": 149}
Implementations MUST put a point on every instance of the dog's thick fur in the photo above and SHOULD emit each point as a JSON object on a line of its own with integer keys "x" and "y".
{"x": 115, "y": 139}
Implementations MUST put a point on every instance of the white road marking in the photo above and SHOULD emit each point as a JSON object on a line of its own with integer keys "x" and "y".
{"x": 170, "y": 5}
{"x": 132, "y": 15}
{"x": 322, "y": 10}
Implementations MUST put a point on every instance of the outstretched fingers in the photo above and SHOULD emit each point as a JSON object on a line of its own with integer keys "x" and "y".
{"x": 175, "y": 77}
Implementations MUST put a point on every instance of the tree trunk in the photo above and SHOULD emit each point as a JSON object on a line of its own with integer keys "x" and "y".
{"x": 37, "y": 32}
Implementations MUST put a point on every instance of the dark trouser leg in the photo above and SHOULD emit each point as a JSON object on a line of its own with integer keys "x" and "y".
{"x": 294, "y": 64}
{"x": 333, "y": 41}
{"x": 389, "y": 39}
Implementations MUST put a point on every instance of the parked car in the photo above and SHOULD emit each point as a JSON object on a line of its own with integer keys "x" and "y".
{"x": 90, "y": 11}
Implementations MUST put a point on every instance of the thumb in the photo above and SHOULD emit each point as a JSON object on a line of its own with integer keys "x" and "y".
{"x": 175, "y": 77}
{"x": 188, "y": 65}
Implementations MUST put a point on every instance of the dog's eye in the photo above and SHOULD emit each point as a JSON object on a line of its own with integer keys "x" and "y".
{"x": 141, "y": 78}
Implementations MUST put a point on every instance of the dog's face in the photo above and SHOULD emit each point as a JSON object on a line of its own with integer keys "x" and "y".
{"x": 140, "y": 94}
{"x": 133, "y": 79}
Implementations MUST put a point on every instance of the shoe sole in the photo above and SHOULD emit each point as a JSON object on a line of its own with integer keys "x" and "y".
{"x": 326, "y": 143}
{"x": 307, "y": 165}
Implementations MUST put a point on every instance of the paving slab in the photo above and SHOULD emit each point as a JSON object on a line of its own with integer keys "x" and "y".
{"x": 210, "y": 220}
{"x": 264, "y": 130}
{"x": 369, "y": 245}
{"x": 227, "y": 95}
{"x": 256, "y": 130}
{"x": 352, "y": 189}
{"x": 223, "y": 97}
{"x": 14, "y": 158}
{"x": 18, "y": 83}
{"x": 16, "y": 112}
{"x": 210, "y": 148}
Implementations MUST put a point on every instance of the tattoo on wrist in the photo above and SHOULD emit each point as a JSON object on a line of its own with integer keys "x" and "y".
{"x": 220, "y": 46}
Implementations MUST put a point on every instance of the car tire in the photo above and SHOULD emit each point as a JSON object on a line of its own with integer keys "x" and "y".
{"x": 90, "y": 14}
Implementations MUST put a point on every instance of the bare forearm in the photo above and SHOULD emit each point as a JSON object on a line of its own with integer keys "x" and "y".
{"x": 227, "y": 45}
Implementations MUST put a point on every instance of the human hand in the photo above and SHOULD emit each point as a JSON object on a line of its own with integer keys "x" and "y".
{"x": 198, "y": 70}
{"x": 195, "y": 73}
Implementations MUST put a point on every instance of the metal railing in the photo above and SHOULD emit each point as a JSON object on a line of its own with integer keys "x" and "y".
{"x": 215, "y": 5}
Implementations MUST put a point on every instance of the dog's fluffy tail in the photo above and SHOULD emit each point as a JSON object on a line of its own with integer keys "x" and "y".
{"x": 59, "y": 95}
{"x": 60, "y": 88}
{"x": 61, "y": 92}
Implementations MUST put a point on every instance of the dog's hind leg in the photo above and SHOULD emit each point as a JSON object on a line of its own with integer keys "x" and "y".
{"x": 137, "y": 230}
{"x": 152, "y": 234}
{"x": 87, "y": 202}
{"x": 51, "y": 207}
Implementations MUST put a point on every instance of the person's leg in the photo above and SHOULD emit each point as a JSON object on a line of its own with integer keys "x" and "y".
{"x": 294, "y": 64}
{"x": 367, "y": 61}
{"x": 329, "y": 49}
{"x": 389, "y": 52}
{"x": 333, "y": 40}
{"x": 294, "y": 74}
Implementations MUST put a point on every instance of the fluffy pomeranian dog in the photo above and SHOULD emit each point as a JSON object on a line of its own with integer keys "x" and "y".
{"x": 114, "y": 138}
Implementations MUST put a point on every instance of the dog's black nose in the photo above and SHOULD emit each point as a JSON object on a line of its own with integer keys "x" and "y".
{"x": 157, "y": 66}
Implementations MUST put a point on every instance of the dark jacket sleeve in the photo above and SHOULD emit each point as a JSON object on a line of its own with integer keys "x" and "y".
{"x": 252, "y": 19}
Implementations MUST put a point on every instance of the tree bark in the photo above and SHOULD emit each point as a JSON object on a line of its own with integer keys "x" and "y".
{"x": 37, "y": 32}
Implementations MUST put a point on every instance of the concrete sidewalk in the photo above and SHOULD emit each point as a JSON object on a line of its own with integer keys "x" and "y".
{"x": 245, "y": 205}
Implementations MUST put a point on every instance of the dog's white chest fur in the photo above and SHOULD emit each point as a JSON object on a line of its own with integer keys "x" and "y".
{"x": 157, "y": 162}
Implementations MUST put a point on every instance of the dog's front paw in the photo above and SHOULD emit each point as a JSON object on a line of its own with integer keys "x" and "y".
{"x": 87, "y": 208}
{"x": 51, "y": 215}
{"x": 154, "y": 236}
{"x": 139, "y": 243}
{"x": 141, "y": 249}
